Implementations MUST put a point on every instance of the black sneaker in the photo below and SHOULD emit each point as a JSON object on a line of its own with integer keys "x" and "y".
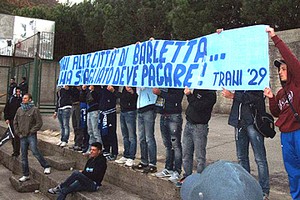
{"x": 149, "y": 169}
{"x": 15, "y": 154}
{"x": 111, "y": 157}
{"x": 140, "y": 166}
{"x": 54, "y": 190}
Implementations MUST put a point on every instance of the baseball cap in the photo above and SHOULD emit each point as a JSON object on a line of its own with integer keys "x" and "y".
{"x": 278, "y": 62}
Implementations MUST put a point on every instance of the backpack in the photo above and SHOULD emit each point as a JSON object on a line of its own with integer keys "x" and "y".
{"x": 264, "y": 123}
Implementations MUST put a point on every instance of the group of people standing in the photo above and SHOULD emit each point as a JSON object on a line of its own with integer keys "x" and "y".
{"x": 141, "y": 105}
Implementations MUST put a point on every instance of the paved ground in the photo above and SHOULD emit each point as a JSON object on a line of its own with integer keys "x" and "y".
{"x": 221, "y": 145}
{"x": 7, "y": 192}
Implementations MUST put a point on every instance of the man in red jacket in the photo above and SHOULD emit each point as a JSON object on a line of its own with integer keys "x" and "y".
{"x": 281, "y": 106}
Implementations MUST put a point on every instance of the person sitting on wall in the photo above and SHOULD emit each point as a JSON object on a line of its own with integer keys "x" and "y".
{"x": 89, "y": 179}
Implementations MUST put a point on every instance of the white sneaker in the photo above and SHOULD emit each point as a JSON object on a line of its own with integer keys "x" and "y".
{"x": 175, "y": 177}
{"x": 58, "y": 144}
{"x": 47, "y": 170}
{"x": 63, "y": 144}
{"x": 24, "y": 178}
{"x": 121, "y": 160}
{"x": 129, "y": 162}
{"x": 164, "y": 173}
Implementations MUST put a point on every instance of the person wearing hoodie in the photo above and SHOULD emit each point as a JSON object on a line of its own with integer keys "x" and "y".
{"x": 27, "y": 123}
{"x": 282, "y": 105}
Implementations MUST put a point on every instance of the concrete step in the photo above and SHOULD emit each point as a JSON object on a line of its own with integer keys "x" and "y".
{"x": 27, "y": 186}
{"x": 60, "y": 162}
{"x": 120, "y": 182}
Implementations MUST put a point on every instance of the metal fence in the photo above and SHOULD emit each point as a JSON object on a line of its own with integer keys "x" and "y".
{"x": 41, "y": 42}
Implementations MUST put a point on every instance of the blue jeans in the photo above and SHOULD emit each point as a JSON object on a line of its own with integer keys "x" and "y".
{"x": 64, "y": 121}
{"x": 171, "y": 128}
{"x": 146, "y": 121}
{"x": 290, "y": 143}
{"x": 26, "y": 142}
{"x": 92, "y": 124}
{"x": 194, "y": 139}
{"x": 75, "y": 183}
{"x": 128, "y": 128}
{"x": 248, "y": 135}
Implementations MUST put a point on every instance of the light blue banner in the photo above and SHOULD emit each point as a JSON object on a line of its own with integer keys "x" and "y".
{"x": 235, "y": 59}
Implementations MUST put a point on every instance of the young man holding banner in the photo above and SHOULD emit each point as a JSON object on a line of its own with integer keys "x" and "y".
{"x": 241, "y": 118}
{"x": 286, "y": 106}
{"x": 170, "y": 109}
{"x": 194, "y": 138}
{"x": 146, "y": 121}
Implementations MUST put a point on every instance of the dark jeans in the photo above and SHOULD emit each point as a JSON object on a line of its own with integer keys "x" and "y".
{"x": 26, "y": 142}
{"x": 110, "y": 141}
{"x": 128, "y": 128}
{"x": 171, "y": 128}
{"x": 243, "y": 138}
{"x": 15, "y": 141}
{"x": 75, "y": 183}
{"x": 78, "y": 133}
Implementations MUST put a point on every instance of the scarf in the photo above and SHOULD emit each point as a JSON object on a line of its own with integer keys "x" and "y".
{"x": 27, "y": 106}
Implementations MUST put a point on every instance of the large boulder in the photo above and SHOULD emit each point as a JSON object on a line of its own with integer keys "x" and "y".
{"x": 219, "y": 181}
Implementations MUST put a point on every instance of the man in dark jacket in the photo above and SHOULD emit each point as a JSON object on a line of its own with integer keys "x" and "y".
{"x": 241, "y": 118}
{"x": 12, "y": 87}
{"x": 89, "y": 179}
{"x": 198, "y": 114}
{"x": 24, "y": 86}
{"x": 78, "y": 133}
{"x": 108, "y": 121}
{"x": 128, "y": 99}
{"x": 10, "y": 110}
{"x": 63, "y": 113}
{"x": 169, "y": 106}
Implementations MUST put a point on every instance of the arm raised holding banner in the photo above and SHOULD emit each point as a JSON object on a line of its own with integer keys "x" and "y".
{"x": 286, "y": 105}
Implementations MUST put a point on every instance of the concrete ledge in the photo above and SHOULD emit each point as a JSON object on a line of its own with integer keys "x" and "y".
{"x": 27, "y": 186}
{"x": 147, "y": 186}
{"x": 60, "y": 162}
{"x": 120, "y": 182}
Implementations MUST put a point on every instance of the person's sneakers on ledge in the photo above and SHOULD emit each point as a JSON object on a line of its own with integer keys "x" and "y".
{"x": 63, "y": 144}
{"x": 24, "y": 178}
{"x": 121, "y": 160}
{"x": 129, "y": 162}
{"x": 164, "y": 173}
{"x": 15, "y": 154}
{"x": 140, "y": 166}
{"x": 111, "y": 157}
{"x": 150, "y": 169}
{"x": 47, "y": 170}
{"x": 175, "y": 177}
{"x": 54, "y": 190}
